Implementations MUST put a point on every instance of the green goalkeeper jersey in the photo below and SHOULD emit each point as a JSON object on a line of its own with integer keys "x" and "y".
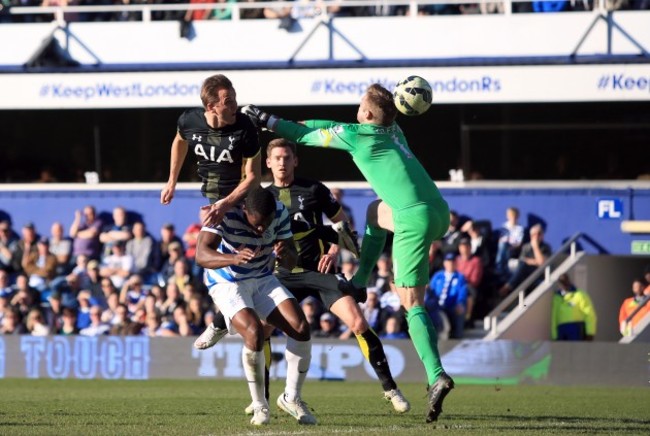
{"x": 381, "y": 154}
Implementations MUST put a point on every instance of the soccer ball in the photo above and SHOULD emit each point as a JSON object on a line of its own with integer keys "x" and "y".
{"x": 412, "y": 96}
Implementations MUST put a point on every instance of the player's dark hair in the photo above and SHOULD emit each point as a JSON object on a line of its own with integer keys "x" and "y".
{"x": 382, "y": 99}
{"x": 281, "y": 142}
{"x": 211, "y": 87}
{"x": 260, "y": 201}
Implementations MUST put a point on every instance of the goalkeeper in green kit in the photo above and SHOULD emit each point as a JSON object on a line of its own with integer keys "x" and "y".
{"x": 410, "y": 206}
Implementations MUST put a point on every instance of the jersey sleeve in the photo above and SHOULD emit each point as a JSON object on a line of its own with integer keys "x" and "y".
{"x": 319, "y": 124}
{"x": 181, "y": 125}
{"x": 327, "y": 201}
{"x": 251, "y": 140}
{"x": 338, "y": 136}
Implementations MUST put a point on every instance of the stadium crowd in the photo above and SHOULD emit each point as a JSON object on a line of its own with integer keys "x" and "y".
{"x": 115, "y": 277}
{"x": 303, "y": 9}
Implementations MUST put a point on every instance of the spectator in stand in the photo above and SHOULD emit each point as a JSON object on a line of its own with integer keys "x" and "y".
{"x": 125, "y": 15}
{"x": 153, "y": 325}
{"x": 349, "y": 265}
{"x": 6, "y": 291}
{"x": 479, "y": 241}
{"x": 167, "y": 270}
{"x": 533, "y": 255}
{"x": 40, "y": 266}
{"x": 11, "y": 324}
{"x": 121, "y": 322}
{"x": 142, "y": 248}
{"x": 510, "y": 240}
{"x": 118, "y": 231}
{"x": 26, "y": 244}
{"x": 198, "y": 14}
{"x": 181, "y": 275}
{"x": 68, "y": 289}
{"x": 80, "y": 270}
{"x": 35, "y": 323}
{"x": 69, "y": 324}
{"x": 550, "y": 6}
{"x": 393, "y": 329}
{"x": 96, "y": 327}
{"x": 83, "y": 309}
{"x": 118, "y": 266}
{"x": 640, "y": 295}
{"x": 8, "y": 245}
{"x": 149, "y": 305}
{"x": 158, "y": 293}
{"x": 61, "y": 248}
{"x": 448, "y": 291}
{"x": 195, "y": 314}
{"x": 389, "y": 302}
{"x": 190, "y": 237}
{"x": 4, "y": 304}
{"x": 372, "y": 310}
{"x": 179, "y": 325}
{"x": 54, "y": 312}
{"x": 311, "y": 308}
{"x": 382, "y": 276}
{"x": 172, "y": 301}
{"x": 86, "y": 234}
{"x": 573, "y": 316}
{"x": 329, "y": 327}
{"x": 133, "y": 293}
{"x": 252, "y": 13}
{"x": 471, "y": 267}
{"x": 448, "y": 243}
{"x": 112, "y": 301}
{"x": 94, "y": 284}
{"x": 167, "y": 238}
{"x": 25, "y": 297}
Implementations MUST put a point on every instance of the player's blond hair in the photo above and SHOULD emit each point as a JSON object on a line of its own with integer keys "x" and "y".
{"x": 383, "y": 104}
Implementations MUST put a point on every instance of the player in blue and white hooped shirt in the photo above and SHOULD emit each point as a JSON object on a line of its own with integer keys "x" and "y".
{"x": 239, "y": 257}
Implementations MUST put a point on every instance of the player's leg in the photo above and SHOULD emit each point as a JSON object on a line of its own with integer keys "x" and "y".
{"x": 378, "y": 222}
{"x": 414, "y": 232}
{"x": 372, "y": 348}
{"x": 281, "y": 309}
{"x": 237, "y": 306}
{"x": 268, "y": 331}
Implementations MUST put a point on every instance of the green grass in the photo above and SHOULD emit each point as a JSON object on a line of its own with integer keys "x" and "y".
{"x": 98, "y": 407}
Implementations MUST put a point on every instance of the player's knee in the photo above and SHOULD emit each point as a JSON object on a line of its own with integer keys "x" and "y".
{"x": 372, "y": 213}
{"x": 359, "y": 325}
{"x": 254, "y": 337}
{"x": 302, "y": 331}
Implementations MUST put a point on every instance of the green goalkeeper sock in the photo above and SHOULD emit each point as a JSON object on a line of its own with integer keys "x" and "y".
{"x": 425, "y": 340}
{"x": 371, "y": 248}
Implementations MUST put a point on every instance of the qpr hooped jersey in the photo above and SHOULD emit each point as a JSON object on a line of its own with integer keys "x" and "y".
{"x": 220, "y": 152}
{"x": 307, "y": 201}
{"x": 236, "y": 234}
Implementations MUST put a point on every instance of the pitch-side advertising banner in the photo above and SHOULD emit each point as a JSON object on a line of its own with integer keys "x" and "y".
{"x": 469, "y": 361}
{"x": 525, "y": 84}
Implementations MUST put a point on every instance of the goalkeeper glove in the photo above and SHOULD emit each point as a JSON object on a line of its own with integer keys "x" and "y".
{"x": 256, "y": 115}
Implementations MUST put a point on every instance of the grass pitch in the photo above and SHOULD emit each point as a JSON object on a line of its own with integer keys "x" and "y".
{"x": 210, "y": 407}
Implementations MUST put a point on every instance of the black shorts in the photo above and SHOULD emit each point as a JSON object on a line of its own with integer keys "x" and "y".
{"x": 310, "y": 283}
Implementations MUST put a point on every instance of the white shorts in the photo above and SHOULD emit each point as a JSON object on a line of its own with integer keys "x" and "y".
{"x": 262, "y": 295}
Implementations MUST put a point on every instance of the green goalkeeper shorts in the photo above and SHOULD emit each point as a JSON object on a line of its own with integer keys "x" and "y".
{"x": 416, "y": 227}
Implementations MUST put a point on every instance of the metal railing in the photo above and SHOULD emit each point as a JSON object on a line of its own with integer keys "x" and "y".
{"x": 518, "y": 295}
{"x": 382, "y": 7}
